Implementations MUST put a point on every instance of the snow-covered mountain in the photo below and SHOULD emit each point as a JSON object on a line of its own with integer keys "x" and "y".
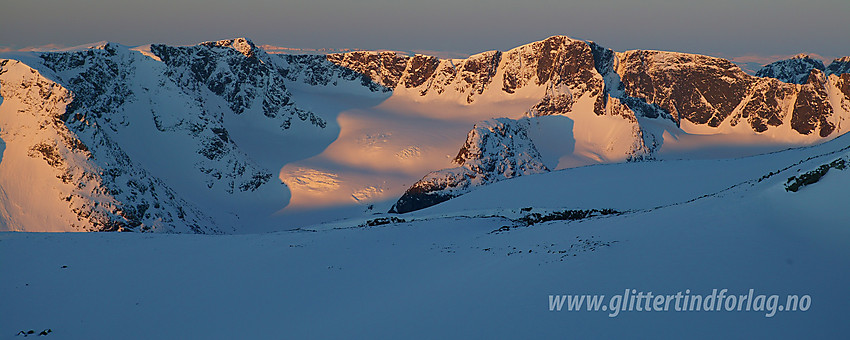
{"x": 191, "y": 138}
{"x": 128, "y": 140}
{"x": 52, "y": 180}
{"x": 701, "y": 95}
{"x": 794, "y": 70}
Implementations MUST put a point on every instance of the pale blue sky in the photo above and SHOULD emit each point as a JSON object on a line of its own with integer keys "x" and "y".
{"x": 718, "y": 27}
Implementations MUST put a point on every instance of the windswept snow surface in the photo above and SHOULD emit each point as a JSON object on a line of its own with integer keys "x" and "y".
{"x": 447, "y": 272}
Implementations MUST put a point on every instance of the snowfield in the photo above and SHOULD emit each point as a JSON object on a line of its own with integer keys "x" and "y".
{"x": 447, "y": 272}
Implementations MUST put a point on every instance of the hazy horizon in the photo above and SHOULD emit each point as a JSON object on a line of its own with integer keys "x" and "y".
{"x": 726, "y": 28}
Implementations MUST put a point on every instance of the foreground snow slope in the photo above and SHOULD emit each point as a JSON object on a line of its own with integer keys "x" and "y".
{"x": 644, "y": 185}
{"x": 447, "y": 274}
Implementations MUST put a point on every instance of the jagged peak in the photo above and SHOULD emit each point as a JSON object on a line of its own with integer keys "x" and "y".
{"x": 845, "y": 59}
{"x": 110, "y": 47}
{"x": 816, "y": 77}
{"x": 485, "y": 54}
{"x": 376, "y": 52}
{"x": 675, "y": 60}
{"x": 793, "y": 70}
{"x": 800, "y": 57}
{"x": 107, "y": 46}
{"x": 669, "y": 58}
{"x": 839, "y": 66}
{"x": 99, "y": 45}
{"x": 552, "y": 39}
{"x": 671, "y": 53}
{"x": 242, "y": 45}
{"x": 559, "y": 37}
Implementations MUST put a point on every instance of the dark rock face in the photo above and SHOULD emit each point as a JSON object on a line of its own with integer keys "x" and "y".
{"x": 245, "y": 78}
{"x": 385, "y": 68}
{"x": 604, "y": 61}
{"x": 553, "y": 103}
{"x": 764, "y": 107}
{"x": 565, "y": 66}
{"x": 795, "y": 183}
{"x": 701, "y": 89}
{"x": 389, "y": 69}
{"x": 99, "y": 89}
{"x": 812, "y": 108}
{"x": 844, "y": 85}
{"x": 644, "y": 109}
{"x": 494, "y": 150}
{"x": 478, "y": 71}
{"x": 430, "y": 190}
{"x": 318, "y": 70}
{"x": 429, "y": 74}
{"x": 420, "y": 68}
{"x": 471, "y": 76}
{"x": 606, "y": 64}
{"x": 567, "y": 60}
{"x": 559, "y": 60}
{"x": 795, "y": 70}
{"x": 707, "y": 90}
{"x": 603, "y": 58}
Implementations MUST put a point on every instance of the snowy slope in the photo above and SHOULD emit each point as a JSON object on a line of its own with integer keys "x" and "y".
{"x": 644, "y": 185}
{"x": 50, "y": 181}
{"x": 450, "y": 275}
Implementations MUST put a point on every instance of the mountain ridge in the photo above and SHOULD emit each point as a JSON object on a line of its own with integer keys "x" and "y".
{"x": 214, "y": 97}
